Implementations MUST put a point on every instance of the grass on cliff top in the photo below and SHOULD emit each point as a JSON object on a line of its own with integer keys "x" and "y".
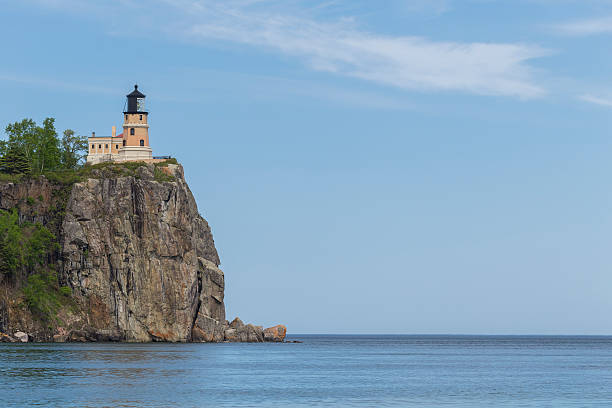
{"x": 100, "y": 170}
{"x": 11, "y": 178}
{"x": 106, "y": 170}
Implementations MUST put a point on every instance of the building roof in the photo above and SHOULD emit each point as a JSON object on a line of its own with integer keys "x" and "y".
{"x": 136, "y": 93}
{"x": 119, "y": 136}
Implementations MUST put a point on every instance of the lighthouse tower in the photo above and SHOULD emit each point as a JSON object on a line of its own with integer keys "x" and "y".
{"x": 135, "y": 129}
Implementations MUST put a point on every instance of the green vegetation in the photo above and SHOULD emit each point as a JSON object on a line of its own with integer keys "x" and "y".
{"x": 33, "y": 149}
{"x": 44, "y": 297}
{"x": 167, "y": 162}
{"x": 161, "y": 176}
{"x": 110, "y": 170}
{"x": 72, "y": 149}
{"x": 28, "y": 251}
{"x": 14, "y": 161}
{"x": 24, "y": 248}
{"x": 11, "y": 239}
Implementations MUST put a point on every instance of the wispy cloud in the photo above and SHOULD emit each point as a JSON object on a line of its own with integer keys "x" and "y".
{"x": 291, "y": 28}
{"x": 341, "y": 48}
{"x": 596, "y": 100}
{"x": 581, "y": 28}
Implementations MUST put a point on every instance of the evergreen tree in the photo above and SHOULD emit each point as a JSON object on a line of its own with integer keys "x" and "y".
{"x": 15, "y": 161}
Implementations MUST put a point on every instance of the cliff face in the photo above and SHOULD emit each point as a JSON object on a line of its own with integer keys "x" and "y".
{"x": 139, "y": 252}
{"x": 139, "y": 259}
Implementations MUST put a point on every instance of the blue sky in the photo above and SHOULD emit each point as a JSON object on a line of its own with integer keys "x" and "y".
{"x": 392, "y": 166}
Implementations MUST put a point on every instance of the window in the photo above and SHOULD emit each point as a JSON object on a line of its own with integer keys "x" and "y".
{"x": 140, "y": 117}
{"x": 141, "y": 142}
{"x": 116, "y": 147}
{"x": 93, "y": 147}
{"x": 125, "y": 117}
{"x": 132, "y": 131}
{"x": 106, "y": 146}
{"x": 99, "y": 146}
{"x": 124, "y": 142}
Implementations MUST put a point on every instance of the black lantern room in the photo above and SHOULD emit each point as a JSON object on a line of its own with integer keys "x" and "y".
{"x": 136, "y": 101}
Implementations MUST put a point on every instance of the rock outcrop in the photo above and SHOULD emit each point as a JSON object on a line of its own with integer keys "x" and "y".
{"x": 21, "y": 336}
{"x": 139, "y": 259}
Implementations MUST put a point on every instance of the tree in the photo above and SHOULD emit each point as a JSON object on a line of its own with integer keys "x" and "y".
{"x": 23, "y": 135}
{"x": 14, "y": 161}
{"x": 41, "y": 147}
{"x": 73, "y": 149}
{"x": 47, "y": 152}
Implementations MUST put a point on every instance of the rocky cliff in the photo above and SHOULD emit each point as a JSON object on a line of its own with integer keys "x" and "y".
{"x": 138, "y": 258}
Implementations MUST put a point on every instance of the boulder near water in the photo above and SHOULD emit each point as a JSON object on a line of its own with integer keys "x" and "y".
{"x": 275, "y": 334}
{"x": 5, "y": 338}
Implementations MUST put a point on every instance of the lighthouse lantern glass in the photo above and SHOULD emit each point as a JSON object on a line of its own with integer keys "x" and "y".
{"x": 140, "y": 103}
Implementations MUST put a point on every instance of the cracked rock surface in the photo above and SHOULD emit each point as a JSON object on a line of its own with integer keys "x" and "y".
{"x": 141, "y": 253}
{"x": 141, "y": 263}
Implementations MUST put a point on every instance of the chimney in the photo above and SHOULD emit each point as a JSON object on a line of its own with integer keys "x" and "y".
{"x": 114, "y": 131}
{"x": 93, "y": 134}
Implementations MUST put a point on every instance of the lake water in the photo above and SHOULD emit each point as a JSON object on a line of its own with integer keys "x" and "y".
{"x": 352, "y": 371}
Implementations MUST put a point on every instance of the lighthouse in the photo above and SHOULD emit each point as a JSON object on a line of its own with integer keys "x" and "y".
{"x": 136, "y": 129}
{"x": 133, "y": 143}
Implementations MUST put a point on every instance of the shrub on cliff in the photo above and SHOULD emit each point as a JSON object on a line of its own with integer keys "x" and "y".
{"x": 24, "y": 248}
{"x": 24, "y": 253}
{"x": 44, "y": 296}
{"x": 10, "y": 243}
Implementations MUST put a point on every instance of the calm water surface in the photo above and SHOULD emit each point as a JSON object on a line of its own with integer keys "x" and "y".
{"x": 353, "y": 371}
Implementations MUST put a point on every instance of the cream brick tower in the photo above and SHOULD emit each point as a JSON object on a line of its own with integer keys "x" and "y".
{"x": 135, "y": 129}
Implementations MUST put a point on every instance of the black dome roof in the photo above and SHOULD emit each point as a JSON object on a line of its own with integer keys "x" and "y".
{"x": 136, "y": 93}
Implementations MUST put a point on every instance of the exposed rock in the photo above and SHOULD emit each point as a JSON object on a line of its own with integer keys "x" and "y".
{"x": 275, "y": 334}
{"x": 5, "y": 338}
{"x": 207, "y": 329}
{"x": 245, "y": 333}
{"x": 145, "y": 173}
{"x": 236, "y": 323}
{"x": 254, "y": 334}
{"x": 33, "y": 199}
{"x": 141, "y": 252}
{"x": 211, "y": 285}
{"x": 21, "y": 336}
{"x": 139, "y": 259}
{"x": 230, "y": 335}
